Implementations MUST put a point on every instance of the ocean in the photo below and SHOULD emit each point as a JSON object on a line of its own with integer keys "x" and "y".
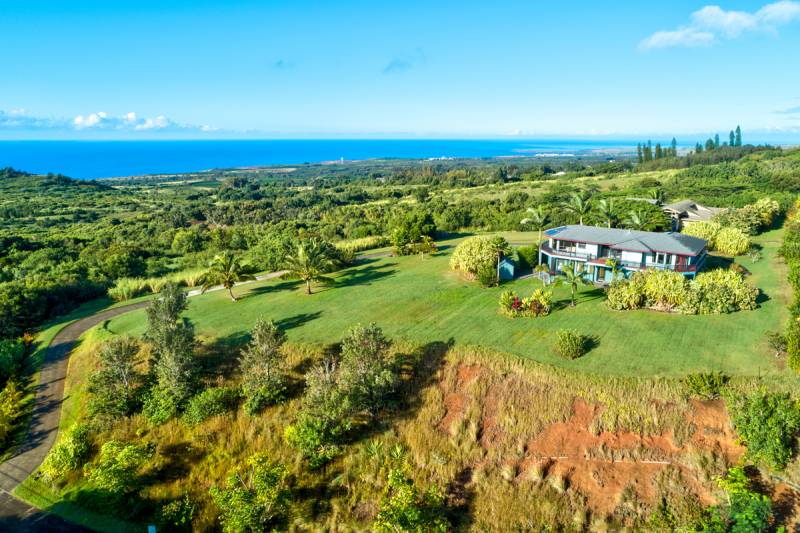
{"x": 103, "y": 159}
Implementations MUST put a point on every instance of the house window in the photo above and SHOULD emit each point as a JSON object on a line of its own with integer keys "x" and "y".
{"x": 662, "y": 259}
{"x": 581, "y": 246}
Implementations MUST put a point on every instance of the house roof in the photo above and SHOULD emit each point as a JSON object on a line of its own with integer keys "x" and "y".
{"x": 692, "y": 211}
{"x": 631, "y": 240}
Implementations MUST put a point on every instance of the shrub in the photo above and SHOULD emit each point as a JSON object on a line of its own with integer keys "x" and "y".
{"x": 626, "y": 294}
{"x": 11, "y": 354}
{"x": 767, "y": 209}
{"x": 177, "y": 515}
{"x": 538, "y": 304}
{"x": 364, "y": 243}
{"x": 720, "y": 291}
{"x": 403, "y": 508}
{"x": 127, "y": 289}
{"x": 704, "y": 230}
{"x": 68, "y": 455}
{"x": 793, "y": 345}
{"x": 527, "y": 257}
{"x": 10, "y": 408}
{"x": 768, "y": 424}
{"x": 160, "y": 405}
{"x": 732, "y": 241}
{"x": 117, "y": 467}
{"x": 255, "y": 497}
{"x": 211, "y": 402}
{"x": 663, "y": 289}
{"x": 706, "y": 385}
{"x": 472, "y": 254}
{"x": 570, "y": 344}
{"x": 487, "y": 275}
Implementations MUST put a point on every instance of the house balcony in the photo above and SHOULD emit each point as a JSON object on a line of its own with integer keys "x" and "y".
{"x": 567, "y": 253}
{"x": 602, "y": 261}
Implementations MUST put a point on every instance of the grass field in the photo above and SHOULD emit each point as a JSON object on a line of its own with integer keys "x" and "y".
{"x": 421, "y": 300}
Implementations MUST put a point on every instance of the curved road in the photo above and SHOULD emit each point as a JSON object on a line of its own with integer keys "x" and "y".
{"x": 15, "y": 514}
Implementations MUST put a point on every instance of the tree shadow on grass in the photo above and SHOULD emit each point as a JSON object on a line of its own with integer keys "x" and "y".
{"x": 272, "y": 288}
{"x": 363, "y": 275}
{"x": 297, "y": 320}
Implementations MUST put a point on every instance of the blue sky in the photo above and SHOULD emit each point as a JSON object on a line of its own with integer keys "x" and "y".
{"x": 196, "y": 69}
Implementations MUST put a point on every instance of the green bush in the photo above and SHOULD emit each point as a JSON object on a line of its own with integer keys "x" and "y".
{"x": 211, "y": 402}
{"x": 704, "y": 230}
{"x": 706, "y": 385}
{"x": 538, "y": 304}
{"x": 487, "y": 275}
{"x": 10, "y": 408}
{"x": 68, "y": 455}
{"x": 732, "y": 241}
{"x": 472, "y": 254}
{"x": 720, "y": 291}
{"x": 160, "y": 405}
{"x": 527, "y": 257}
{"x": 11, "y": 354}
{"x": 177, "y": 515}
{"x": 626, "y": 294}
{"x": 117, "y": 467}
{"x": 768, "y": 424}
{"x": 570, "y": 344}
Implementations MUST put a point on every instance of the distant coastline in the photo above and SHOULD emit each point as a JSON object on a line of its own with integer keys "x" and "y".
{"x": 107, "y": 159}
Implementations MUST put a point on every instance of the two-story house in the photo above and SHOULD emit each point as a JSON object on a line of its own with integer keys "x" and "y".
{"x": 602, "y": 251}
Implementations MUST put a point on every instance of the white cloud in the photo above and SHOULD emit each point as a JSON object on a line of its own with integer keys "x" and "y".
{"x": 712, "y": 22}
{"x": 688, "y": 37}
{"x": 18, "y": 119}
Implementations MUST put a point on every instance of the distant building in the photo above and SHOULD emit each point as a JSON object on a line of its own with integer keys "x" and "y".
{"x": 688, "y": 211}
{"x": 601, "y": 251}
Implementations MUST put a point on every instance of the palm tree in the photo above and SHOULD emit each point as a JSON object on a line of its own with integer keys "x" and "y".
{"x": 226, "y": 270}
{"x": 537, "y": 217}
{"x": 607, "y": 210}
{"x": 542, "y": 269}
{"x": 640, "y": 219}
{"x": 579, "y": 206}
{"x": 574, "y": 278}
{"x": 310, "y": 262}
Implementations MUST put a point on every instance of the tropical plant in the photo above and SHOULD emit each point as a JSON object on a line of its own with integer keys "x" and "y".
{"x": 537, "y": 217}
{"x": 573, "y": 278}
{"x": 10, "y": 408}
{"x": 405, "y": 509}
{"x": 641, "y": 218}
{"x": 706, "y": 385}
{"x": 211, "y": 402}
{"x": 472, "y": 254}
{"x": 542, "y": 269}
{"x": 768, "y": 423}
{"x": 116, "y": 468}
{"x": 607, "y": 210}
{"x": 68, "y": 454}
{"x": 255, "y": 498}
{"x": 579, "y": 206}
{"x": 113, "y": 385}
{"x": 226, "y": 270}
{"x": 310, "y": 262}
{"x": 366, "y": 372}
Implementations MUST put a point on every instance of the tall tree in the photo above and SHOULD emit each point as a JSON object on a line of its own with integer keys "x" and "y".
{"x": 607, "y": 210}
{"x": 709, "y": 145}
{"x": 659, "y": 151}
{"x": 698, "y": 148}
{"x": 112, "y": 387}
{"x": 310, "y": 262}
{"x": 674, "y": 147}
{"x": 537, "y": 217}
{"x": 648, "y": 151}
{"x": 172, "y": 345}
{"x": 226, "y": 270}
{"x": 716, "y": 140}
{"x": 365, "y": 370}
{"x": 641, "y": 219}
{"x": 579, "y": 206}
{"x": 732, "y": 139}
{"x": 263, "y": 366}
{"x": 639, "y": 154}
{"x": 738, "y": 136}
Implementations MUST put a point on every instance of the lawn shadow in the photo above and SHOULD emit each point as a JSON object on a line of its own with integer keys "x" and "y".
{"x": 364, "y": 276}
{"x": 272, "y": 288}
{"x": 718, "y": 261}
{"x": 298, "y": 320}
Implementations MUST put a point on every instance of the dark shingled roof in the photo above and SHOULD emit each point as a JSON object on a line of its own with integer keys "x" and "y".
{"x": 632, "y": 240}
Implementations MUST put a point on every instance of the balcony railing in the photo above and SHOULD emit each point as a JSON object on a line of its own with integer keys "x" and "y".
{"x": 602, "y": 260}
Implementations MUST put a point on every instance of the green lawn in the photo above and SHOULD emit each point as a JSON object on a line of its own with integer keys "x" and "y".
{"x": 422, "y": 301}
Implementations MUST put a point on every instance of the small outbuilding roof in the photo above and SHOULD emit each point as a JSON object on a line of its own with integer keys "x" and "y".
{"x": 631, "y": 240}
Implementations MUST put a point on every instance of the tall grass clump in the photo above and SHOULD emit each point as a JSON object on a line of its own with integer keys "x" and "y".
{"x": 363, "y": 243}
